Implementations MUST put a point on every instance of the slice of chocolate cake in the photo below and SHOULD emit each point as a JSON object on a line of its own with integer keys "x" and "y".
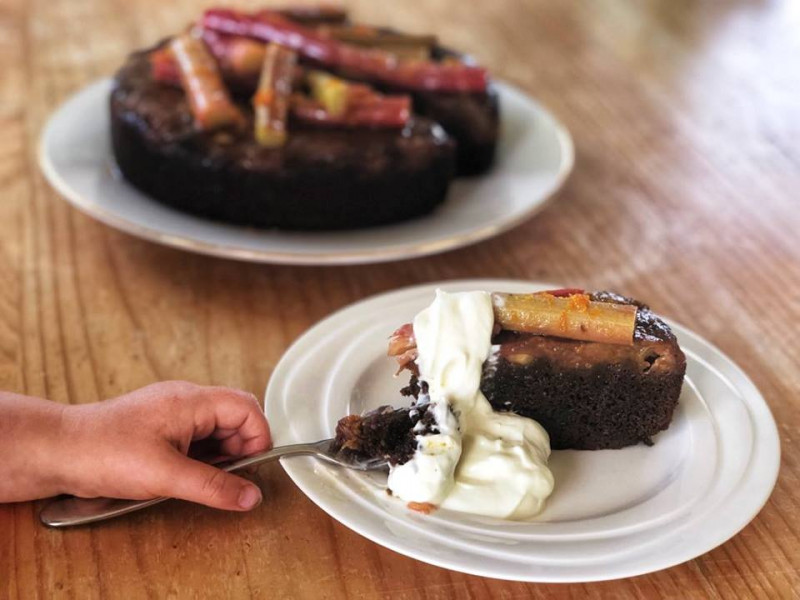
{"x": 590, "y": 395}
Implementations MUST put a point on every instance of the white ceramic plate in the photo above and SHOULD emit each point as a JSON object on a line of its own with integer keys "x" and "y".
{"x": 614, "y": 513}
{"x": 535, "y": 157}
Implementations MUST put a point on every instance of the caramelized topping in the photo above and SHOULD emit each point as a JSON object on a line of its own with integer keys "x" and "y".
{"x": 573, "y": 316}
{"x": 271, "y": 100}
{"x": 359, "y": 108}
{"x": 209, "y": 101}
{"x": 403, "y": 346}
{"x": 231, "y": 46}
{"x": 416, "y": 47}
{"x": 331, "y": 92}
{"x": 315, "y": 14}
{"x": 239, "y": 58}
{"x": 164, "y": 67}
{"x": 369, "y": 63}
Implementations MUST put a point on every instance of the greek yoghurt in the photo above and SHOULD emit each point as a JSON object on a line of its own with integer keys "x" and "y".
{"x": 480, "y": 461}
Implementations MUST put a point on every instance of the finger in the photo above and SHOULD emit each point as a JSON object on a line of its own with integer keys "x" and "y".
{"x": 239, "y": 446}
{"x": 233, "y": 446}
{"x": 198, "y": 482}
{"x": 224, "y": 434}
{"x": 228, "y": 410}
{"x": 217, "y": 434}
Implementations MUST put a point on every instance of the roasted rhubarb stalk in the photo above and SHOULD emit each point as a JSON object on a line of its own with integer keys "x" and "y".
{"x": 240, "y": 58}
{"x": 416, "y": 47}
{"x": 333, "y": 93}
{"x": 209, "y": 101}
{"x": 378, "y": 112}
{"x": 315, "y": 14}
{"x": 403, "y": 346}
{"x": 351, "y": 104}
{"x": 271, "y": 100}
{"x": 572, "y": 316}
{"x": 368, "y": 63}
{"x": 268, "y": 26}
{"x": 164, "y": 67}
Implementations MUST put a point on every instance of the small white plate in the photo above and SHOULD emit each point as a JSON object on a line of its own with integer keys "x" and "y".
{"x": 535, "y": 156}
{"x": 614, "y": 513}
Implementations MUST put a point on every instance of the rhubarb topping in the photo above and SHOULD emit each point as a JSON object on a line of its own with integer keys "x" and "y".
{"x": 336, "y": 102}
{"x": 271, "y": 100}
{"x": 573, "y": 316}
{"x": 209, "y": 101}
{"x": 239, "y": 58}
{"x": 164, "y": 67}
{"x": 331, "y": 92}
{"x": 369, "y": 63}
{"x": 403, "y": 347}
{"x": 417, "y": 47}
{"x": 315, "y": 14}
{"x": 387, "y": 112}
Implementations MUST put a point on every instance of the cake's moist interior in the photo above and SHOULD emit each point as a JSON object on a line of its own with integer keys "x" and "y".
{"x": 385, "y": 432}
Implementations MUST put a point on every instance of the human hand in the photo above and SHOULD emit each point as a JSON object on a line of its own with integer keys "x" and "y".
{"x": 136, "y": 446}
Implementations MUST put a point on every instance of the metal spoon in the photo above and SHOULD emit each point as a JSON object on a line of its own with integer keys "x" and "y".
{"x": 66, "y": 512}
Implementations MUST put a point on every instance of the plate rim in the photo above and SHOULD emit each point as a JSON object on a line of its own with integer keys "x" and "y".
{"x": 763, "y": 418}
{"x": 397, "y": 252}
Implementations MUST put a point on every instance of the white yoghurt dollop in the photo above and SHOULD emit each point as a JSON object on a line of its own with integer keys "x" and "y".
{"x": 482, "y": 462}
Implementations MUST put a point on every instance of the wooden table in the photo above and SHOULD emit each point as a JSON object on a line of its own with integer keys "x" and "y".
{"x": 686, "y": 120}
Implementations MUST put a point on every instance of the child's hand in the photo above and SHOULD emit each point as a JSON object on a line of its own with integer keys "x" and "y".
{"x": 134, "y": 446}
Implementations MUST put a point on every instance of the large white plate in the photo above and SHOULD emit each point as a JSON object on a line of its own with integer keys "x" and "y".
{"x": 614, "y": 513}
{"x": 535, "y": 156}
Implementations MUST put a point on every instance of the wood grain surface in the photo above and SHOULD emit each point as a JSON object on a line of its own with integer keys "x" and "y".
{"x": 686, "y": 118}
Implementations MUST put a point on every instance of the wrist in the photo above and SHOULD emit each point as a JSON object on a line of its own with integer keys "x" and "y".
{"x": 52, "y": 451}
{"x": 63, "y": 454}
{"x": 30, "y": 445}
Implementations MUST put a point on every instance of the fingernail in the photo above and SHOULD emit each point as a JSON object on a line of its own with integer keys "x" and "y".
{"x": 249, "y": 497}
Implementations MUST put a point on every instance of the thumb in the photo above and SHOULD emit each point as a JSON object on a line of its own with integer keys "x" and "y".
{"x": 199, "y": 482}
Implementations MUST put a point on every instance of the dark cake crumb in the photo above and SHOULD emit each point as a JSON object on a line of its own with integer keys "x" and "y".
{"x": 385, "y": 432}
{"x": 412, "y": 389}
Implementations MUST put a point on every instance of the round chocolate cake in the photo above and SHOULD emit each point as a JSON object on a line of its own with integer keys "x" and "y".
{"x": 321, "y": 177}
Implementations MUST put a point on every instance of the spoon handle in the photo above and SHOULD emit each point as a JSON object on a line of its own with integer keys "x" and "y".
{"x": 67, "y": 512}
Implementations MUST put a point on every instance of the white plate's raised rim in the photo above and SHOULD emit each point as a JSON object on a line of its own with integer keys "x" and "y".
{"x": 366, "y": 256}
{"x": 765, "y": 453}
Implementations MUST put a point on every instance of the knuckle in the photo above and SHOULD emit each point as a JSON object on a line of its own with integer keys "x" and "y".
{"x": 235, "y": 395}
{"x": 177, "y": 392}
{"x": 179, "y": 386}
